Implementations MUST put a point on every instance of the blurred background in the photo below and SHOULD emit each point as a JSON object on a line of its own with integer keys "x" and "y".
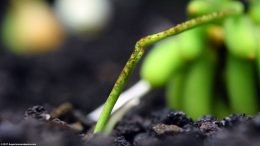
{"x": 62, "y": 50}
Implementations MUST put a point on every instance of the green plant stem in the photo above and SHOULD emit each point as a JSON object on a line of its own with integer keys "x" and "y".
{"x": 138, "y": 53}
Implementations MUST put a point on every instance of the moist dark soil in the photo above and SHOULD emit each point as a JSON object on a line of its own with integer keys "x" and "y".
{"x": 63, "y": 126}
{"x": 44, "y": 99}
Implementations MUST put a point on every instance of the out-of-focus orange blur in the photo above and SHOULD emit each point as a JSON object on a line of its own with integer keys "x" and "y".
{"x": 30, "y": 27}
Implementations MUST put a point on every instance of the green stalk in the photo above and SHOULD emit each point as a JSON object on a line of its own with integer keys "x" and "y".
{"x": 198, "y": 88}
{"x": 139, "y": 51}
{"x": 175, "y": 89}
{"x": 241, "y": 86}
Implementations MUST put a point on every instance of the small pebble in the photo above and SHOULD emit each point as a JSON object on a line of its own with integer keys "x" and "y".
{"x": 37, "y": 112}
{"x": 161, "y": 129}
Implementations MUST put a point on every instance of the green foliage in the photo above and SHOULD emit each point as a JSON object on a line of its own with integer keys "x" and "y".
{"x": 139, "y": 51}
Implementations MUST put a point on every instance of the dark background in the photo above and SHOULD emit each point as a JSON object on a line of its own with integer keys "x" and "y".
{"x": 83, "y": 72}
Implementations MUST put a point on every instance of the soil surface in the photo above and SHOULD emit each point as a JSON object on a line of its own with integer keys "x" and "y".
{"x": 157, "y": 127}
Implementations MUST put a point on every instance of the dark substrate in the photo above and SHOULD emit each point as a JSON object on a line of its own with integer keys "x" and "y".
{"x": 139, "y": 127}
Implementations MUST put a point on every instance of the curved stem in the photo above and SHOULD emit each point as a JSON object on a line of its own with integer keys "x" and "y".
{"x": 138, "y": 53}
